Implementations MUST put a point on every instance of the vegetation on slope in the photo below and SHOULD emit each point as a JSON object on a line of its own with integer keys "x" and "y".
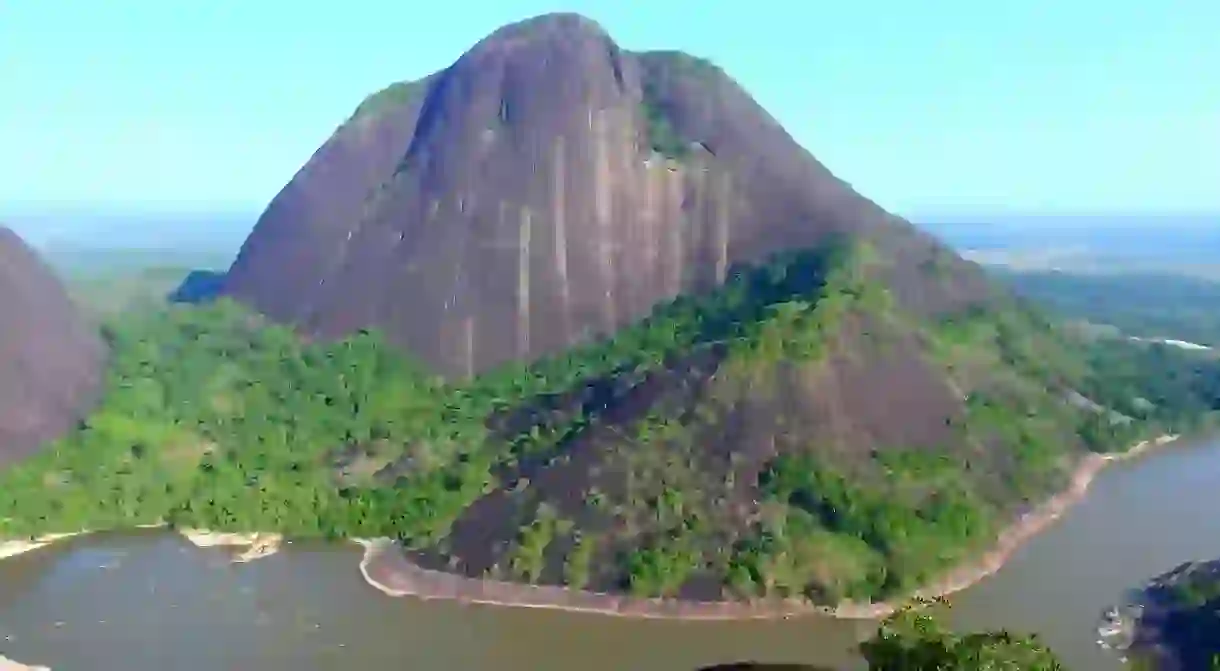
{"x": 393, "y": 96}
{"x": 659, "y": 67}
{"x": 217, "y": 418}
{"x": 672, "y": 459}
{"x": 661, "y": 136}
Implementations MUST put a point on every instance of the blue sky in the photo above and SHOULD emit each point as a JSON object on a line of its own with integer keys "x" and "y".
{"x": 940, "y": 106}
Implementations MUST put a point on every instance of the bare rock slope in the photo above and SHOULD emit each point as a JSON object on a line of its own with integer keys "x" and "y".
{"x": 547, "y": 187}
{"x": 50, "y": 356}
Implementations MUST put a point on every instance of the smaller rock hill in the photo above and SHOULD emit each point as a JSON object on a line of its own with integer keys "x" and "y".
{"x": 50, "y": 356}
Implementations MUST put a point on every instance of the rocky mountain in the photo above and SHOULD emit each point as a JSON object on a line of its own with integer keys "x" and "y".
{"x": 50, "y": 357}
{"x": 546, "y": 188}
{"x": 679, "y": 356}
{"x": 751, "y": 666}
{"x": 1172, "y": 622}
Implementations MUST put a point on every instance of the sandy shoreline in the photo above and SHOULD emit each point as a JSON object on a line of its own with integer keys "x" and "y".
{"x": 14, "y": 548}
{"x": 388, "y": 570}
{"x": 253, "y": 545}
{"x": 7, "y": 664}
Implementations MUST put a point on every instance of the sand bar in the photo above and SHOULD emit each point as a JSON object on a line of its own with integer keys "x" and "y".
{"x": 7, "y": 664}
{"x": 256, "y": 544}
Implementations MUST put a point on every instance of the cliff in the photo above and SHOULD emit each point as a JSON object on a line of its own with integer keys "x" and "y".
{"x": 50, "y": 356}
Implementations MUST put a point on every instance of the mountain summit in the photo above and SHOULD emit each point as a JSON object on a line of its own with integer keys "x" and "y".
{"x": 683, "y": 358}
{"x": 547, "y": 188}
{"x": 50, "y": 358}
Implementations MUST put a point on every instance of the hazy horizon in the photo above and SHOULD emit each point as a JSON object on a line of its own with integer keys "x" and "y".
{"x": 113, "y": 229}
{"x": 110, "y": 227}
{"x": 1003, "y": 106}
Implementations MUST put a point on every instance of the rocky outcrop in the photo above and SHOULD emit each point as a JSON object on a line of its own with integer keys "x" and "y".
{"x": 50, "y": 356}
{"x": 547, "y": 187}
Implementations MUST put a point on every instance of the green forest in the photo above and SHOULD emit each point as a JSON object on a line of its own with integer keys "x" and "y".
{"x": 915, "y": 640}
{"x": 215, "y": 418}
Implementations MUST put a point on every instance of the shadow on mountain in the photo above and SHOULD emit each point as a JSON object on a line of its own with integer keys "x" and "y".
{"x": 1188, "y": 637}
{"x": 199, "y": 286}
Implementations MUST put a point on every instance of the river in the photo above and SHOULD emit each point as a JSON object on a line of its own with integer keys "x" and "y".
{"x": 151, "y": 601}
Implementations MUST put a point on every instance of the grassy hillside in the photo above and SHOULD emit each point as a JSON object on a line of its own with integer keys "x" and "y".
{"x": 729, "y": 444}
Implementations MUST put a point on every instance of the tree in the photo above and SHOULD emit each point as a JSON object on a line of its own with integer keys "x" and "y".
{"x": 913, "y": 640}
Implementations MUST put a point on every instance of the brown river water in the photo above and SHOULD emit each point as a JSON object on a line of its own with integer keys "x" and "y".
{"x": 151, "y": 600}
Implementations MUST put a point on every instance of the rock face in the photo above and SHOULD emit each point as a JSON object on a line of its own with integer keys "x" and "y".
{"x": 1172, "y": 622}
{"x": 545, "y": 188}
{"x": 822, "y": 401}
{"x": 50, "y": 357}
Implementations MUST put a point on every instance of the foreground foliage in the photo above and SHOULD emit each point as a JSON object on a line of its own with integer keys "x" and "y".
{"x": 913, "y": 640}
{"x": 916, "y": 640}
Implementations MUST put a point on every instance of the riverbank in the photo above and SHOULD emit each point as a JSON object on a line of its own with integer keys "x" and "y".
{"x": 254, "y": 545}
{"x": 7, "y": 664}
{"x": 20, "y": 547}
{"x": 388, "y": 570}
{"x": 1023, "y": 529}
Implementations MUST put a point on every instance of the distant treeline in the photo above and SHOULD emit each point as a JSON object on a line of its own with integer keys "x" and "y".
{"x": 1147, "y": 305}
